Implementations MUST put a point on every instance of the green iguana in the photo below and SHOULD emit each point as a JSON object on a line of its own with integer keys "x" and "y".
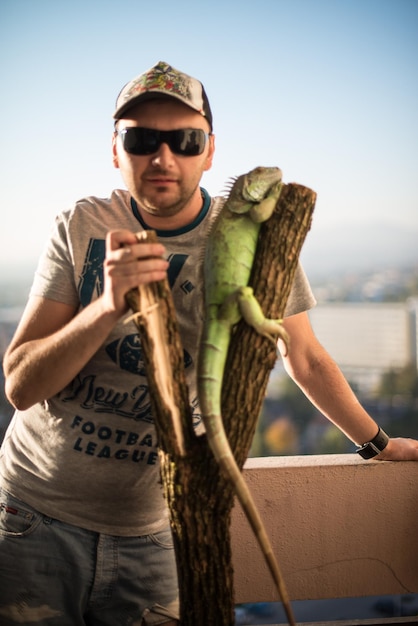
{"x": 229, "y": 256}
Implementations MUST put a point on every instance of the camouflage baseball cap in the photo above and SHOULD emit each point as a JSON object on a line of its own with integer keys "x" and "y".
{"x": 163, "y": 80}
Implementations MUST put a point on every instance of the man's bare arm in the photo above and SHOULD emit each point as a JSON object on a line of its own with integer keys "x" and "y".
{"x": 53, "y": 342}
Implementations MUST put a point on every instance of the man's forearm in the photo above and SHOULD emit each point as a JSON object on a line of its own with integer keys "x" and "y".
{"x": 38, "y": 369}
{"x": 328, "y": 390}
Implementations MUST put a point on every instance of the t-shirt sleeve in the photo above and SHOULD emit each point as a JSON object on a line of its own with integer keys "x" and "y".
{"x": 301, "y": 297}
{"x": 54, "y": 276}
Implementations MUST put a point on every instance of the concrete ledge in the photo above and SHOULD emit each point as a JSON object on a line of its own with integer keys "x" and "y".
{"x": 340, "y": 526}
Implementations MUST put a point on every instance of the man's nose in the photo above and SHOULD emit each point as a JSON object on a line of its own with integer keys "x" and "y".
{"x": 163, "y": 157}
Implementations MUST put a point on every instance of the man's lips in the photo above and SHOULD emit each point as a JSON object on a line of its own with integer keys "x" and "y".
{"x": 160, "y": 178}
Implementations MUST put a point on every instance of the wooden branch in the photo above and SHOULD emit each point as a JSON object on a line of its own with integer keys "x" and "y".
{"x": 155, "y": 318}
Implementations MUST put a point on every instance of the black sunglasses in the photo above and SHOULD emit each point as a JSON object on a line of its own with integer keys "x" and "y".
{"x": 184, "y": 141}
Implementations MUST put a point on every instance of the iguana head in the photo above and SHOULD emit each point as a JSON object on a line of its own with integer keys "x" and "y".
{"x": 249, "y": 190}
{"x": 255, "y": 185}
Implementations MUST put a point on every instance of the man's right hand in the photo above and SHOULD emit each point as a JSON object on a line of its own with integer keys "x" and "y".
{"x": 129, "y": 264}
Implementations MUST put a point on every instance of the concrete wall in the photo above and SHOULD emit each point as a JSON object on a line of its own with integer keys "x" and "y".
{"x": 340, "y": 527}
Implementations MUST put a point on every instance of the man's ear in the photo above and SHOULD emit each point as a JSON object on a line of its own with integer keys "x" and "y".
{"x": 211, "y": 152}
{"x": 115, "y": 159}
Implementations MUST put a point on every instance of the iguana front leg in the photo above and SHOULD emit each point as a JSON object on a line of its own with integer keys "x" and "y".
{"x": 263, "y": 211}
{"x": 252, "y": 313}
{"x": 243, "y": 304}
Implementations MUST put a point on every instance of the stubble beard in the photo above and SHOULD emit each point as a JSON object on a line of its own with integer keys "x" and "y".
{"x": 165, "y": 207}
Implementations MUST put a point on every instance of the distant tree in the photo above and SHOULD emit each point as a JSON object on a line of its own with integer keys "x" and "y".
{"x": 403, "y": 381}
{"x": 290, "y": 424}
{"x": 399, "y": 388}
{"x": 333, "y": 441}
{"x": 285, "y": 417}
{"x": 294, "y": 403}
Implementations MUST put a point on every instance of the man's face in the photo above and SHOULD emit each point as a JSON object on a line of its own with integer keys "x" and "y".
{"x": 164, "y": 184}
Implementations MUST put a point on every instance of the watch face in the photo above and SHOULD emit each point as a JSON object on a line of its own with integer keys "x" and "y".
{"x": 368, "y": 451}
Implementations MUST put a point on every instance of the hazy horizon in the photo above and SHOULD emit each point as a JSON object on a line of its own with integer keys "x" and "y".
{"x": 335, "y": 250}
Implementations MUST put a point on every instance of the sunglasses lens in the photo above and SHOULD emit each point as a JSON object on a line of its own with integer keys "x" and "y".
{"x": 143, "y": 141}
{"x": 190, "y": 141}
{"x": 140, "y": 141}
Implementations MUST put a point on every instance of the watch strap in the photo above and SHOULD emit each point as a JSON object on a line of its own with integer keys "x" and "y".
{"x": 375, "y": 446}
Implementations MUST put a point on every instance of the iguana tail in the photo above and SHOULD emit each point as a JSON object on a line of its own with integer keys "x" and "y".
{"x": 211, "y": 368}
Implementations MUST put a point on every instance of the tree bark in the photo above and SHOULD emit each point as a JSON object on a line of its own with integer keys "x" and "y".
{"x": 279, "y": 246}
{"x": 199, "y": 497}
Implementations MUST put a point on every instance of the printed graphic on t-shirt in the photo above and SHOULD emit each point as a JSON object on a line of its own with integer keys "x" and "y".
{"x": 127, "y": 353}
{"x": 91, "y": 279}
{"x": 105, "y": 442}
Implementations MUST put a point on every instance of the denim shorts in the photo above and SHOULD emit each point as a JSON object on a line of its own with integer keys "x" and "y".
{"x": 56, "y": 574}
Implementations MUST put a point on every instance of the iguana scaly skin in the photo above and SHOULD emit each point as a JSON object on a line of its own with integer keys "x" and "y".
{"x": 229, "y": 257}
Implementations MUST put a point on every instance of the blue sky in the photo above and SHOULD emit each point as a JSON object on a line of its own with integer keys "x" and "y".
{"x": 325, "y": 89}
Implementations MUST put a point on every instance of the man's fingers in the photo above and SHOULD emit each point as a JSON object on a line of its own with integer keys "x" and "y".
{"x": 147, "y": 250}
{"x": 126, "y": 246}
{"x": 116, "y": 239}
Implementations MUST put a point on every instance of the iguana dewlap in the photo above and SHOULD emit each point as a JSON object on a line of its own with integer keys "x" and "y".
{"x": 229, "y": 256}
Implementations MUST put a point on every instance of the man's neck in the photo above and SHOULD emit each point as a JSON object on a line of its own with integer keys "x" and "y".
{"x": 186, "y": 216}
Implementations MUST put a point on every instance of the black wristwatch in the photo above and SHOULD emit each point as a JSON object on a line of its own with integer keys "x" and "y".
{"x": 375, "y": 446}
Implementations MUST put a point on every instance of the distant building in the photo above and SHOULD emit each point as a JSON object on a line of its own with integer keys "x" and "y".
{"x": 367, "y": 339}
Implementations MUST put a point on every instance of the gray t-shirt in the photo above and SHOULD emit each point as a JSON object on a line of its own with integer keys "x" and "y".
{"x": 88, "y": 456}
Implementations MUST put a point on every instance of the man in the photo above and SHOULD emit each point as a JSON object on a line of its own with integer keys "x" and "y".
{"x": 87, "y": 538}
